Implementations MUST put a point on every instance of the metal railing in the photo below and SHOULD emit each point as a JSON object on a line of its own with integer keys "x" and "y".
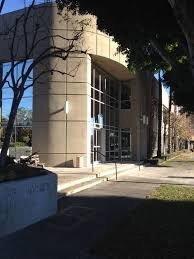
{"x": 98, "y": 152}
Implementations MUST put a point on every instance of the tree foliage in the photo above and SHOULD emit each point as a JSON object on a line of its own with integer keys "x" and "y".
{"x": 153, "y": 34}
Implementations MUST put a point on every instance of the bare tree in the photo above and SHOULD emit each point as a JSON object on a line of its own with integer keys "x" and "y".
{"x": 32, "y": 42}
{"x": 180, "y": 129}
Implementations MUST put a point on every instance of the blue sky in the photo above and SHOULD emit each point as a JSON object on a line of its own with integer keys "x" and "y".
{"x": 164, "y": 88}
{"x": 12, "y": 5}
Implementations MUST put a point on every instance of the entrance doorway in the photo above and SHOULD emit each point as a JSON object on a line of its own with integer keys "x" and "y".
{"x": 125, "y": 144}
{"x": 96, "y": 145}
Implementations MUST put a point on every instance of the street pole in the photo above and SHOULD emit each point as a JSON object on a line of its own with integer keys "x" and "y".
{"x": 140, "y": 119}
{"x": 159, "y": 115}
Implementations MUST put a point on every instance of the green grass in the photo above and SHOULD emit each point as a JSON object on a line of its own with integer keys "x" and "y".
{"x": 161, "y": 227}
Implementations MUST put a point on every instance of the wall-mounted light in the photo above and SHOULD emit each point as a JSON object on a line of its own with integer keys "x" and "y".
{"x": 147, "y": 120}
{"x": 66, "y": 107}
{"x": 144, "y": 119}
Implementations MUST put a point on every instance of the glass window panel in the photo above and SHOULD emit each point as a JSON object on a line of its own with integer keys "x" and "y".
{"x": 117, "y": 90}
{"x": 24, "y": 117}
{"x": 107, "y": 156}
{"x": 107, "y": 116}
{"x": 96, "y": 79}
{"x": 103, "y": 110}
{"x": 112, "y": 155}
{"x": 112, "y": 88}
{"x": 7, "y": 93}
{"x": 92, "y": 109}
{"x": 125, "y": 92}
{"x": 92, "y": 92}
{"x": 28, "y": 92}
{"x": 92, "y": 77}
{"x": 107, "y": 86}
{"x": 103, "y": 84}
{"x": 6, "y": 69}
{"x": 6, "y": 107}
{"x": 125, "y": 140}
{"x": 96, "y": 95}
{"x": 21, "y": 65}
{"x": 112, "y": 117}
{"x": 96, "y": 111}
{"x": 24, "y": 136}
{"x": 125, "y": 104}
{"x": 26, "y": 103}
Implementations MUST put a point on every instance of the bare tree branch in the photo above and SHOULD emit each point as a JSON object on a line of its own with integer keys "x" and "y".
{"x": 1, "y": 5}
{"x": 161, "y": 52}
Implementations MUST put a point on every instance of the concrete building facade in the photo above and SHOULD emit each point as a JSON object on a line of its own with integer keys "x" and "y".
{"x": 97, "y": 110}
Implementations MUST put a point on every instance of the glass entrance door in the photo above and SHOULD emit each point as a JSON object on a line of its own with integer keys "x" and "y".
{"x": 96, "y": 145}
{"x": 125, "y": 144}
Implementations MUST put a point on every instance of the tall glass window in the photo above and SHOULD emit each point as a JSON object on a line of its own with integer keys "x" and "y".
{"x": 21, "y": 140}
{"x": 105, "y": 114}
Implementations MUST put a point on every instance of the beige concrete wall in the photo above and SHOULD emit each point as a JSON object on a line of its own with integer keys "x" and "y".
{"x": 143, "y": 91}
{"x": 60, "y": 137}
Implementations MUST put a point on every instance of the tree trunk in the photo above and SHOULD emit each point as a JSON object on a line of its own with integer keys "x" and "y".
{"x": 175, "y": 132}
{"x": 9, "y": 130}
{"x": 165, "y": 139}
{"x": 182, "y": 12}
{"x": 190, "y": 43}
{"x": 169, "y": 121}
{"x": 159, "y": 117}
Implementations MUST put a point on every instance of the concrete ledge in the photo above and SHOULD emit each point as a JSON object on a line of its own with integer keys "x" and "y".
{"x": 27, "y": 201}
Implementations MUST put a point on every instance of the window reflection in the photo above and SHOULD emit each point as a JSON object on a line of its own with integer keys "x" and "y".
{"x": 21, "y": 139}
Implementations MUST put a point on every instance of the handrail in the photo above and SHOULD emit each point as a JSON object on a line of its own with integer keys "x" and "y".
{"x": 98, "y": 152}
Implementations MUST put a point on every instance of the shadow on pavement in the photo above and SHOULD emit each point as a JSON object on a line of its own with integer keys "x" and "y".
{"x": 161, "y": 166}
{"x": 181, "y": 161}
{"x": 182, "y": 177}
{"x": 156, "y": 229}
{"x": 129, "y": 227}
{"x": 154, "y": 181}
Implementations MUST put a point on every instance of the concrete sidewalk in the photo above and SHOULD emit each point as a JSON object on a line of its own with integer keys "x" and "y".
{"x": 85, "y": 218}
{"x": 179, "y": 170}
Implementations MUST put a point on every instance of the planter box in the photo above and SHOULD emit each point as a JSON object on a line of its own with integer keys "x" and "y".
{"x": 27, "y": 201}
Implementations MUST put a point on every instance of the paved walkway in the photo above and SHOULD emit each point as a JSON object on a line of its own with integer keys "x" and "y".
{"x": 179, "y": 170}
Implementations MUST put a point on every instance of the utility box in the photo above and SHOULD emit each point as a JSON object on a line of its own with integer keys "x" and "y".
{"x": 79, "y": 161}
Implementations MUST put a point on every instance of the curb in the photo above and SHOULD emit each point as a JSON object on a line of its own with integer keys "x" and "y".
{"x": 170, "y": 159}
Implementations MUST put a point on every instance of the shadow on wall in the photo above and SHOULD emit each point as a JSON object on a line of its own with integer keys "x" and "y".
{"x": 68, "y": 163}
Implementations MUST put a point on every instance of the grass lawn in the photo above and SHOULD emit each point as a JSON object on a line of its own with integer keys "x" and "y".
{"x": 161, "y": 227}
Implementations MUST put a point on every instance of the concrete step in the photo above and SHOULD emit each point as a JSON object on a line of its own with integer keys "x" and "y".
{"x": 121, "y": 169}
{"x": 75, "y": 186}
{"x": 72, "y": 183}
{"x": 81, "y": 187}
